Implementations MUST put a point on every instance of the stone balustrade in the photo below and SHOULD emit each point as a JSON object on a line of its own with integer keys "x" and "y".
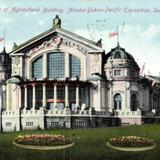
{"x": 102, "y": 113}
{"x": 55, "y": 112}
{"x": 120, "y": 113}
{"x": 80, "y": 112}
{"x": 65, "y": 112}
{"x": 32, "y": 112}
{"x": 10, "y": 113}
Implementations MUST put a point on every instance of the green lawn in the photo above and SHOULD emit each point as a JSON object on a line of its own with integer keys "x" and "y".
{"x": 89, "y": 145}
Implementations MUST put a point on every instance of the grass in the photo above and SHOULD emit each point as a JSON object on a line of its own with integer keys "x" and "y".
{"x": 90, "y": 144}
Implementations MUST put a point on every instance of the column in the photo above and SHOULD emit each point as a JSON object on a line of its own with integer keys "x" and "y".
{"x": 111, "y": 105}
{"x": 67, "y": 71}
{"x": 66, "y": 96}
{"x": 55, "y": 95}
{"x": 4, "y": 96}
{"x": 7, "y": 97}
{"x": 77, "y": 96}
{"x": 14, "y": 97}
{"x": 25, "y": 97}
{"x": 44, "y": 72}
{"x": 34, "y": 96}
{"x": 20, "y": 101}
{"x": 44, "y": 95}
{"x": 87, "y": 96}
{"x": 0, "y": 111}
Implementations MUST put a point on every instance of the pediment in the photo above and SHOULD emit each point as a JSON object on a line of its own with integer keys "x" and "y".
{"x": 55, "y": 38}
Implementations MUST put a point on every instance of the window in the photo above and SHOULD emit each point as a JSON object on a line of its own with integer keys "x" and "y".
{"x": 80, "y": 124}
{"x": 117, "y": 72}
{"x": 60, "y": 93}
{"x": 133, "y": 102}
{"x": 50, "y": 92}
{"x": 117, "y": 101}
{"x": 72, "y": 97}
{"x": 8, "y": 123}
{"x": 132, "y": 73}
{"x": 38, "y": 97}
{"x": 82, "y": 95}
{"x": 29, "y": 97}
{"x": 38, "y": 92}
{"x": 60, "y": 97}
{"x": 56, "y": 65}
{"x": 37, "y": 68}
{"x": 22, "y": 97}
{"x": 29, "y": 123}
{"x": 54, "y": 124}
{"x": 72, "y": 93}
{"x": 75, "y": 66}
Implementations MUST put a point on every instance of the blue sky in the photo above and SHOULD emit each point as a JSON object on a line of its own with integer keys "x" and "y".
{"x": 140, "y": 34}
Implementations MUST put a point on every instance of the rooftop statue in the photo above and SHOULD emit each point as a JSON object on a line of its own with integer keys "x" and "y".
{"x": 56, "y": 22}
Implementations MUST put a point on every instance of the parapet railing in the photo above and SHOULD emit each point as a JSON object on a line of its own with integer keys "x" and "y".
{"x": 65, "y": 112}
{"x": 127, "y": 113}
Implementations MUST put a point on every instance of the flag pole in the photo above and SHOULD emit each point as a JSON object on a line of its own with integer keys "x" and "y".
{"x": 117, "y": 36}
{"x": 4, "y": 42}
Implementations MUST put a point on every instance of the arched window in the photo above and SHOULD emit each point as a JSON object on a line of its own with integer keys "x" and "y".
{"x": 117, "y": 101}
{"x": 133, "y": 102}
{"x": 56, "y": 63}
{"x": 37, "y": 68}
{"x": 75, "y": 66}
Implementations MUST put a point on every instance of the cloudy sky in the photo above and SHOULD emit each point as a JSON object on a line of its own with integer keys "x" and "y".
{"x": 138, "y": 21}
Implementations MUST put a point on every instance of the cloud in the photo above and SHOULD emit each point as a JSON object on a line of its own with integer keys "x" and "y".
{"x": 142, "y": 42}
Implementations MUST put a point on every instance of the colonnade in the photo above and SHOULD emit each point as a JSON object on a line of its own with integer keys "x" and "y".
{"x": 44, "y": 95}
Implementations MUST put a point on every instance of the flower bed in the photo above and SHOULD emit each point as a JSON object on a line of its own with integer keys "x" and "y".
{"x": 131, "y": 143}
{"x": 43, "y": 141}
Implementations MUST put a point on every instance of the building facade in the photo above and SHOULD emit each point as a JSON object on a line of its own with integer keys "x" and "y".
{"x": 60, "y": 79}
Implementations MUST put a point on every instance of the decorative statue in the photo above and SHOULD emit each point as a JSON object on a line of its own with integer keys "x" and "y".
{"x": 99, "y": 43}
{"x": 57, "y": 22}
{"x": 14, "y": 46}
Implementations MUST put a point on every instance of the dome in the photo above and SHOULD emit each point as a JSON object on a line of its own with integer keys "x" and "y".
{"x": 121, "y": 65}
{"x": 119, "y": 53}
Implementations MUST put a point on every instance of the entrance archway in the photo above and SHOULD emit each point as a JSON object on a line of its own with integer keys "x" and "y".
{"x": 117, "y": 101}
{"x": 133, "y": 102}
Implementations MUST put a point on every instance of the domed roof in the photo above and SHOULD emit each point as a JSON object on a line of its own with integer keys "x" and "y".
{"x": 119, "y": 53}
{"x": 118, "y": 57}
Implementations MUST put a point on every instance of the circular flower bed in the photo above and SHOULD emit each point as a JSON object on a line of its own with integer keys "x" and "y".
{"x": 43, "y": 141}
{"x": 131, "y": 143}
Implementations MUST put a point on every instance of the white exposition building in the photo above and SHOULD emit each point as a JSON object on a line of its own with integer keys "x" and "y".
{"x": 60, "y": 79}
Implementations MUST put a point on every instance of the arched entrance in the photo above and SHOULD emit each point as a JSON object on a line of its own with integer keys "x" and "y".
{"x": 117, "y": 101}
{"x": 133, "y": 102}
